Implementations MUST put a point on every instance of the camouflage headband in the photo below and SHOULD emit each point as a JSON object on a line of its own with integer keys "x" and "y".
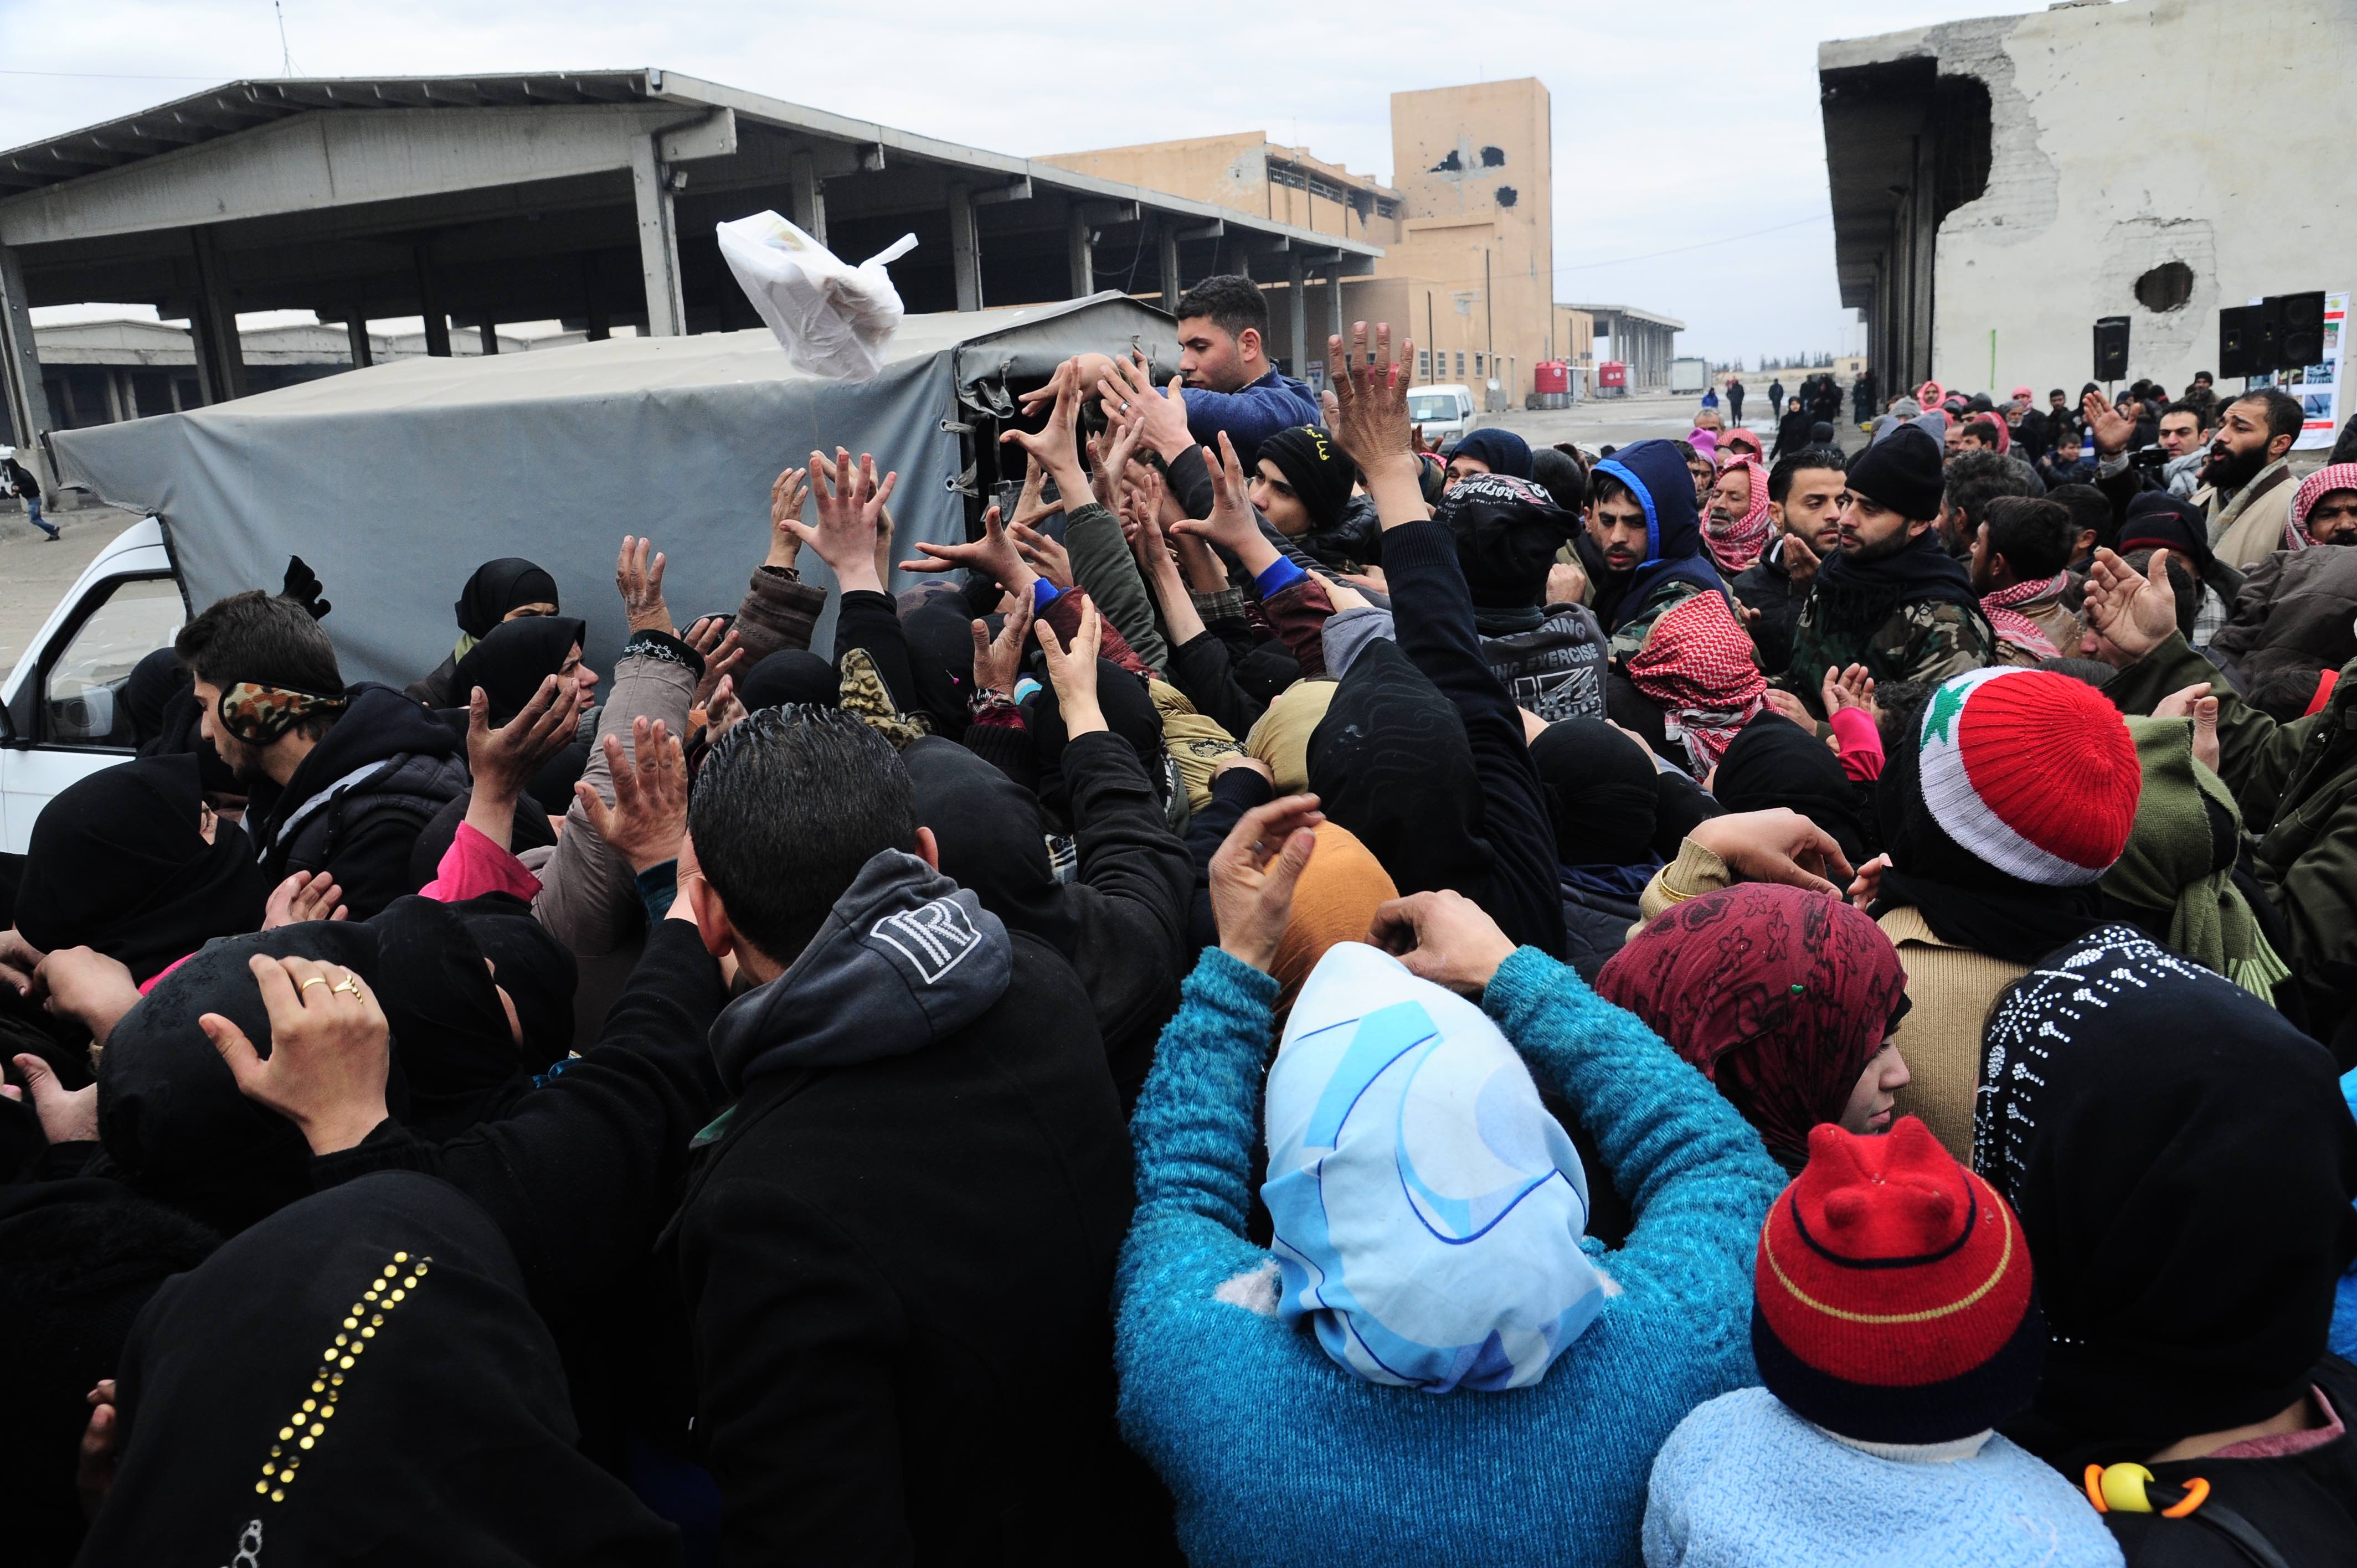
{"x": 259, "y": 715}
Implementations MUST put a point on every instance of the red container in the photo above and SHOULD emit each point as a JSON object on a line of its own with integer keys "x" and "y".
{"x": 1612, "y": 373}
{"x": 1553, "y": 376}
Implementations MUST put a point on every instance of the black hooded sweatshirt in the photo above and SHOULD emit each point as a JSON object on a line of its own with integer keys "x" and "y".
{"x": 896, "y": 1250}
{"x": 355, "y": 806}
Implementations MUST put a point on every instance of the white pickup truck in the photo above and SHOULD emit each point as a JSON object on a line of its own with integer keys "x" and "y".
{"x": 61, "y": 714}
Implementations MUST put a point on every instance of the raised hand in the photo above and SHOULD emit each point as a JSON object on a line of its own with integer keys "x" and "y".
{"x": 329, "y": 1050}
{"x": 1254, "y": 875}
{"x": 1782, "y": 702}
{"x": 2110, "y": 428}
{"x": 1043, "y": 556}
{"x": 998, "y": 660}
{"x": 850, "y": 517}
{"x": 786, "y": 494}
{"x": 1370, "y": 408}
{"x": 1030, "y": 505}
{"x": 649, "y": 815}
{"x": 1850, "y": 688}
{"x": 1232, "y": 525}
{"x": 2130, "y": 615}
{"x": 2197, "y": 703}
{"x": 993, "y": 555}
{"x": 639, "y": 574}
{"x": 306, "y": 896}
{"x": 724, "y": 712}
{"x": 715, "y": 639}
{"x": 1445, "y": 938}
{"x": 503, "y": 760}
{"x": 1800, "y": 561}
{"x": 1073, "y": 669}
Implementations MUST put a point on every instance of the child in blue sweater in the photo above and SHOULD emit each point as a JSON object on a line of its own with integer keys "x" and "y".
{"x": 1293, "y": 1409}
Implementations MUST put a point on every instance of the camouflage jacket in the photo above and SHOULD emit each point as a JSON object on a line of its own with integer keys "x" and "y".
{"x": 1925, "y": 639}
{"x": 1630, "y": 639}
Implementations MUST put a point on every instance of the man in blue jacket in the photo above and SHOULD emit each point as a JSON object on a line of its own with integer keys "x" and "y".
{"x": 1230, "y": 384}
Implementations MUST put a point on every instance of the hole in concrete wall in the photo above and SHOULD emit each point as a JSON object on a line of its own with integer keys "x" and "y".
{"x": 1452, "y": 164}
{"x": 2165, "y": 287}
{"x": 1493, "y": 157}
{"x": 1507, "y": 196}
{"x": 1961, "y": 117}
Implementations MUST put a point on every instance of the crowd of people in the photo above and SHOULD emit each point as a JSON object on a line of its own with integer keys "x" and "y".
{"x": 1294, "y": 999}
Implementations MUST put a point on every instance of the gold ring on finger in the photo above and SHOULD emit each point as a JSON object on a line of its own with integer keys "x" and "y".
{"x": 351, "y": 983}
{"x": 315, "y": 980}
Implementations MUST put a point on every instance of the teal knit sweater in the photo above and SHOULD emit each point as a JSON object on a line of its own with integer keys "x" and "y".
{"x": 1276, "y": 1456}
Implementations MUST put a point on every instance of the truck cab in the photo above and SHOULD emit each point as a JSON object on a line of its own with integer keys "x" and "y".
{"x": 1443, "y": 412}
{"x": 62, "y": 712}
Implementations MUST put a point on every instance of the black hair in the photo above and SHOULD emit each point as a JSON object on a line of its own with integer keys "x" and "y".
{"x": 2181, "y": 581}
{"x": 1780, "y": 478}
{"x": 2090, "y": 508}
{"x": 2204, "y": 376}
{"x": 1982, "y": 430}
{"x": 2200, "y": 411}
{"x": 1604, "y": 485}
{"x": 2036, "y": 536}
{"x": 1973, "y": 480}
{"x": 1230, "y": 301}
{"x": 2344, "y": 450}
{"x": 1901, "y": 702}
{"x": 788, "y": 807}
{"x": 2284, "y": 417}
{"x": 2058, "y": 391}
{"x": 267, "y": 639}
{"x": 1560, "y": 478}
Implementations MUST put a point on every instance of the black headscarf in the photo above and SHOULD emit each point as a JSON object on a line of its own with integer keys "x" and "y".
{"x": 2183, "y": 1164}
{"x": 538, "y": 972}
{"x": 939, "y": 640}
{"x": 793, "y": 675}
{"x": 117, "y": 862}
{"x": 170, "y": 1117}
{"x": 1600, "y": 793}
{"x": 1390, "y": 762}
{"x": 453, "y": 1438}
{"x": 1855, "y": 597}
{"x": 498, "y": 586}
{"x": 1507, "y": 532}
{"x": 1129, "y": 713}
{"x": 991, "y": 839}
{"x": 147, "y": 696}
{"x": 1967, "y": 902}
{"x": 2156, "y": 518}
{"x": 462, "y": 1063}
{"x": 511, "y": 661}
{"x": 1774, "y": 762}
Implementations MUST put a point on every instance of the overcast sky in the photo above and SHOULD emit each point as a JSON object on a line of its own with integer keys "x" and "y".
{"x": 1675, "y": 127}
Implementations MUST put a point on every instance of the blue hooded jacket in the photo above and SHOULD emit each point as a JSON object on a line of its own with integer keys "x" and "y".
{"x": 1656, "y": 472}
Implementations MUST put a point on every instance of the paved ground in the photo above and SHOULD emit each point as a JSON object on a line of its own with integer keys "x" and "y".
{"x": 1622, "y": 420}
{"x": 35, "y": 575}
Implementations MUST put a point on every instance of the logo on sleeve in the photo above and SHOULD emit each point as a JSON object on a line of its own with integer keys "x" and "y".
{"x": 934, "y": 937}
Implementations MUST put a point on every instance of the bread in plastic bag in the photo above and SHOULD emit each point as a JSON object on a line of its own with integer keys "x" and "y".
{"x": 831, "y": 319}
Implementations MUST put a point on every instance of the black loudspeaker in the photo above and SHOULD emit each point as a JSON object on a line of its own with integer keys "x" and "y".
{"x": 2267, "y": 353}
{"x": 2238, "y": 331}
{"x": 2300, "y": 334}
{"x": 2112, "y": 348}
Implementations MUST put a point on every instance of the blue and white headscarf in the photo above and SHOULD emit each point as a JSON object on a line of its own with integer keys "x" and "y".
{"x": 1429, "y": 1211}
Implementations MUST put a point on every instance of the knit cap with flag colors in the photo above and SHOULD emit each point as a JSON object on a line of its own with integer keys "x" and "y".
{"x": 1892, "y": 1299}
{"x": 2032, "y": 771}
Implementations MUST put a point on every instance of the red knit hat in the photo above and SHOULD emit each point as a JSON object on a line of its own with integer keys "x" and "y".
{"x": 1892, "y": 1300}
{"x": 2031, "y": 771}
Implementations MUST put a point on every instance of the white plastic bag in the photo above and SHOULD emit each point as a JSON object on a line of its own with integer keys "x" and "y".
{"x": 831, "y": 319}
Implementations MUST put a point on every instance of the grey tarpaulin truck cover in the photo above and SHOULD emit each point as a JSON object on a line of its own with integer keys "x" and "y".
{"x": 395, "y": 481}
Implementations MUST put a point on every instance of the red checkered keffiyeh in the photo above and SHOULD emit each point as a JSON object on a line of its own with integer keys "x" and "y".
{"x": 1696, "y": 667}
{"x": 1735, "y": 545}
{"x": 2312, "y": 489}
{"x": 2014, "y": 627}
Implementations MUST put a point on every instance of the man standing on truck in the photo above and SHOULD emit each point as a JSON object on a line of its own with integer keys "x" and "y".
{"x": 1224, "y": 360}
{"x": 15, "y": 479}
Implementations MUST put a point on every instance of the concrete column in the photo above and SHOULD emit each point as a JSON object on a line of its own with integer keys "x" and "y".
{"x": 172, "y": 384}
{"x": 810, "y": 197}
{"x": 356, "y": 330}
{"x": 1083, "y": 260}
{"x": 1171, "y": 286}
{"x": 20, "y": 368}
{"x": 658, "y": 241}
{"x": 490, "y": 335}
{"x": 966, "y": 251}
{"x": 220, "y": 356}
{"x": 429, "y": 301}
{"x": 1334, "y": 301}
{"x": 113, "y": 394}
{"x": 130, "y": 395}
{"x": 1297, "y": 310}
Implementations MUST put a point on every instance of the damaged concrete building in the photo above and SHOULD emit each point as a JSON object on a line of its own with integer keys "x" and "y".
{"x": 2000, "y": 184}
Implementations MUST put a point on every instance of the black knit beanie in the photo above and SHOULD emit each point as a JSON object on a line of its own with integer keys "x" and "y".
{"x": 1901, "y": 472}
{"x": 1313, "y": 464}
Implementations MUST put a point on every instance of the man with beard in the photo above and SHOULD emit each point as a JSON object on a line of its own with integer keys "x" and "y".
{"x": 1644, "y": 549}
{"x": 2245, "y": 489}
{"x": 1973, "y": 480}
{"x": 2020, "y": 548}
{"x": 341, "y": 781}
{"x": 1804, "y": 492}
{"x": 1891, "y": 598}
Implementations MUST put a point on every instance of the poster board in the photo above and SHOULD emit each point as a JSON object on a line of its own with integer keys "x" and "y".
{"x": 2322, "y": 388}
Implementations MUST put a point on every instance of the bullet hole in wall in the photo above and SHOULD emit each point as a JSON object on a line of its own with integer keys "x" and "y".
{"x": 1452, "y": 164}
{"x": 1507, "y": 196}
{"x": 2165, "y": 287}
{"x": 1493, "y": 157}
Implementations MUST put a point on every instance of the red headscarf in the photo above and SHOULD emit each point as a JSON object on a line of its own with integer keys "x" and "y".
{"x": 2312, "y": 489}
{"x": 1735, "y": 545}
{"x": 1780, "y": 996}
{"x": 1696, "y": 667}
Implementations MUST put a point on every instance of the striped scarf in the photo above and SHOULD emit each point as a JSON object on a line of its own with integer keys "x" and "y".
{"x": 1735, "y": 545}
{"x": 2018, "y": 629}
